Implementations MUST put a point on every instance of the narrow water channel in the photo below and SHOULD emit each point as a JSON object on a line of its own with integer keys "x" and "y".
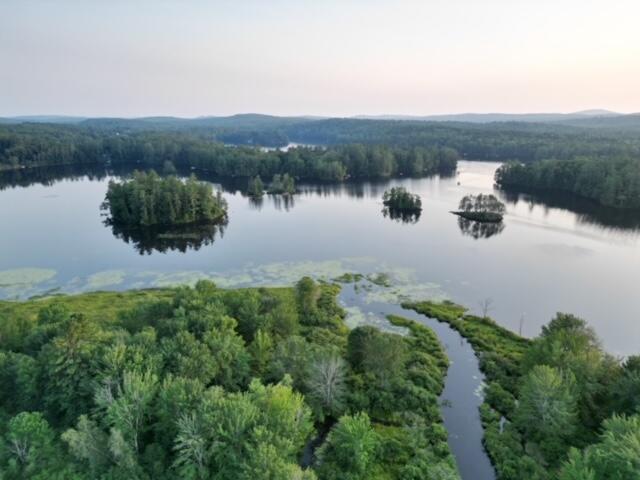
{"x": 462, "y": 394}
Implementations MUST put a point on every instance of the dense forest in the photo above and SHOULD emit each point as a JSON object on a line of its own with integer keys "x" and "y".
{"x": 557, "y": 406}
{"x": 147, "y": 200}
{"x": 33, "y": 145}
{"x": 613, "y": 182}
{"x": 500, "y": 141}
{"x": 496, "y": 141}
{"x": 206, "y": 383}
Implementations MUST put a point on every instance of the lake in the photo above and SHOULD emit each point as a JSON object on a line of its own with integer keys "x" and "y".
{"x": 552, "y": 254}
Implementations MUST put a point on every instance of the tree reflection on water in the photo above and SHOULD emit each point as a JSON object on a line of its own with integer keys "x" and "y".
{"x": 146, "y": 240}
{"x": 401, "y": 215}
{"x": 478, "y": 230}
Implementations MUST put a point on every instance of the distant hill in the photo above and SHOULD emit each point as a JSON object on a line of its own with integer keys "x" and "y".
{"x": 43, "y": 119}
{"x": 261, "y": 121}
{"x": 629, "y": 122}
{"x": 247, "y": 121}
{"x": 498, "y": 117}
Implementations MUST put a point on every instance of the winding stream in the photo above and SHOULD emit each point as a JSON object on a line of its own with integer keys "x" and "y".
{"x": 462, "y": 394}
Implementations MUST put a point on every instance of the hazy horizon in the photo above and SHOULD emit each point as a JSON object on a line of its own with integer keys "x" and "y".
{"x": 303, "y": 58}
{"x": 305, "y": 115}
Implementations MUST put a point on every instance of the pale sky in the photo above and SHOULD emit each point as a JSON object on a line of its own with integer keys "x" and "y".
{"x": 317, "y": 57}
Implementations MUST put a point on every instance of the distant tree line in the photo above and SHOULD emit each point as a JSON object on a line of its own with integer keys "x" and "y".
{"x": 500, "y": 141}
{"x": 613, "y": 182}
{"x": 41, "y": 145}
{"x": 24, "y": 144}
{"x": 147, "y": 199}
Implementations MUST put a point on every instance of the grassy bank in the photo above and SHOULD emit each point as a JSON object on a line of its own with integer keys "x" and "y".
{"x": 500, "y": 354}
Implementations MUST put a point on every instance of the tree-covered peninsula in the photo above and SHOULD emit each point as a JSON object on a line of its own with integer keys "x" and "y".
{"x": 206, "y": 383}
{"x": 613, "y": 182}
{"x": 148, "y": 200}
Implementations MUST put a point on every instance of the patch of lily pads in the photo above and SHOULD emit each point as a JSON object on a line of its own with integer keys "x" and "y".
{"x": 23, "y": 282}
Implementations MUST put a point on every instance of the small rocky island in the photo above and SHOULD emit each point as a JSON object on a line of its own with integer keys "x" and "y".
{"x": 399, "y": 199}
{"x": 400, "y": 205}
{"x": 481, "y": 208}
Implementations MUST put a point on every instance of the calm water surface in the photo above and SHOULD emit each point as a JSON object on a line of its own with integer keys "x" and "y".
{"x": 554, "y": 254}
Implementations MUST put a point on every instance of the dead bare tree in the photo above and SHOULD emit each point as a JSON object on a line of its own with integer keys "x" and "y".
{"x": 486, "y": 306}
{"x": 326, "y": 382}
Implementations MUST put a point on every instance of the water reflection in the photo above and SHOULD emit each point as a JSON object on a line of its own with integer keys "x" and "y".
{"x": 256, "y": 203}
{"x": 587, "y": 212}
{"x": 402, "y": 216}
{"x": 48, "y": 176}
{"x": 147, "y": 240}
{"x": 478, "y": 230}
{"x": 283, "y": 202}
{"x": 59, "y": 229}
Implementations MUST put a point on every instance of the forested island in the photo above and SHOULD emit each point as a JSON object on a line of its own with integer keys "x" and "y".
{"x": 610, "y": 181}
{"x": 398, "y": 198}
{"x": 203, "y": 382}
{"x": 148, "y": 200}
{"x": 401, "y": 205}
{"x": 282, "y": 185}
{"x": 255, "y": 187}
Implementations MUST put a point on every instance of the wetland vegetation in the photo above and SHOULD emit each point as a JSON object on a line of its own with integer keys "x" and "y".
{"x": 557, "y": 406}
